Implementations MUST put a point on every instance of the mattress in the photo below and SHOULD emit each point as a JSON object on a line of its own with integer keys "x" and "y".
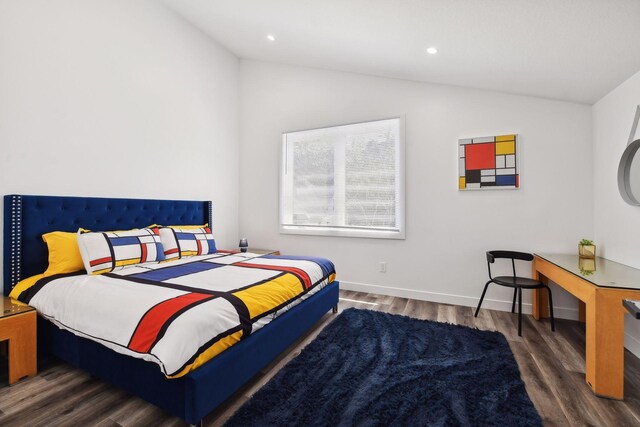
{"x": 179, "y": 314}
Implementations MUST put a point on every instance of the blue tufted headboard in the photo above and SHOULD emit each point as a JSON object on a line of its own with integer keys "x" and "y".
{"x": 27, "y": 218}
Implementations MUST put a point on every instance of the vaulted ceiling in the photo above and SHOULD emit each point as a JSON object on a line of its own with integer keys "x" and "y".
{"x": 573, "y": 50}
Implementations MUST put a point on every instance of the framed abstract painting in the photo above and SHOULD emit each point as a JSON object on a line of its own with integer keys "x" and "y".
{"x": 488, "y": 163}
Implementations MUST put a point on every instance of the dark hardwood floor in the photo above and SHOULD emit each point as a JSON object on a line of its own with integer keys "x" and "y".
{"x": 552, "y": 366}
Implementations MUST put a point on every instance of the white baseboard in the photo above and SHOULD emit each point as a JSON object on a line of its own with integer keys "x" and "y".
{"x": 560, "y": 312}
{"x": 631, "y": 343}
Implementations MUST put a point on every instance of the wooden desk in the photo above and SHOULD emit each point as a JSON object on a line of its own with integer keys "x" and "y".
{"x": 601, "y": 293}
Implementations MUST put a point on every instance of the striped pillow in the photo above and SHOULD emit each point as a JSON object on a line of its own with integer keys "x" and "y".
{"x": 184, "y": 242}
{"x": 104, "y": 252}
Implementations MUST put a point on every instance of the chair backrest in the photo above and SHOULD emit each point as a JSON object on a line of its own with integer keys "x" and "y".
{"x": 512, "y": 255}
{"x": 492, "y": 255}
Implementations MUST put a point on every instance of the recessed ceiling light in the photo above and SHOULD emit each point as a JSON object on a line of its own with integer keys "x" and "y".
{"x": 271, "y": 37}
{"x": 432, "y": 51}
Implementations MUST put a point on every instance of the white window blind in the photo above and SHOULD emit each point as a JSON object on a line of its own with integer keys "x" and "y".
{"x": 344, "y": 180}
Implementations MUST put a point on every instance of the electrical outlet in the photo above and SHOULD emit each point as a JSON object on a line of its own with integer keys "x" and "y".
{"x": 383, "y": 267}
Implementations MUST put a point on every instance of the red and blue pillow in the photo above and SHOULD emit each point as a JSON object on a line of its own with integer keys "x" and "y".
{"x": 185, "y": 242}
{"x": 103, "y": 252}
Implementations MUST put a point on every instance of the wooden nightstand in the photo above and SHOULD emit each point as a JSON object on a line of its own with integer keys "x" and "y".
{"x": 18, "y": 326}
{"x": 263, "y": 251}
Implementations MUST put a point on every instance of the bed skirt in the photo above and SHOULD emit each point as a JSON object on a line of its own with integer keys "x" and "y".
{"x": 193, "y": 396}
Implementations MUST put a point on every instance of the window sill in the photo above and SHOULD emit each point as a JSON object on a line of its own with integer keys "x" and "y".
{"x": 342, "y": 232}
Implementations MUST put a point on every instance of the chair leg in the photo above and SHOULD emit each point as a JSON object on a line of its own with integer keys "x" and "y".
{"x": 519, "y": 312}
{"x": 513, "y": 306}
{"x": 553, "y": 322}
{"x": 482, "y": 298}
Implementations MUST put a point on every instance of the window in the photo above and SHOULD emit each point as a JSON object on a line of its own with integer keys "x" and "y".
{"x": 344, "y": 181}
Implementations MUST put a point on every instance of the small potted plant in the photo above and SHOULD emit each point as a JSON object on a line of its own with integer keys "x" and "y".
{"x": 586, "y": 249}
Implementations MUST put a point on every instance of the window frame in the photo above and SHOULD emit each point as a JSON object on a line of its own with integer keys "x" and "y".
{"x": 333, "y": 231}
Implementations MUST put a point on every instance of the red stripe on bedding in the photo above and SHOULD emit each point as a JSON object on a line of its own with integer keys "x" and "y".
{"x": 171, "y": 251}
{"x": 99, "y": 261}
{"x": 199, "y": 247}
{"x": 143, "y": 254}
{"x": 306, "y": 280}
{"x": 153, "y": 320}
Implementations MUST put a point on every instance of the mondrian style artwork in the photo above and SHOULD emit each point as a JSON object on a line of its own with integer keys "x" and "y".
{"x": 489, "y": 162}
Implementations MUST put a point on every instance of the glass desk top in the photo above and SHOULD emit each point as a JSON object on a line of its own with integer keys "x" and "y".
{"x": 599, "y": 271}
{"x": 11, "y": 307}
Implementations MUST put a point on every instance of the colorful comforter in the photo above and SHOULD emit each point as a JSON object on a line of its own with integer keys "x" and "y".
{"x": 182, "y": 313}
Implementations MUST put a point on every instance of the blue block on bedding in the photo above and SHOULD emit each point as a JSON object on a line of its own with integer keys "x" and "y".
{"x": 326, "y": 265}
{"x": 176, "y": 271}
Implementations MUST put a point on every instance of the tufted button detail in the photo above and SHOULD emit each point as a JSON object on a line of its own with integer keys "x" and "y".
{"x": 31, "y": 216}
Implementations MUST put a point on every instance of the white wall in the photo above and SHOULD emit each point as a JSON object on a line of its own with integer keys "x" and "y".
{"x": 616, "y": 224}
{"x": 86, "y": 83}
{"x": 442, "y": 258}
{"x": 117, "y": 98}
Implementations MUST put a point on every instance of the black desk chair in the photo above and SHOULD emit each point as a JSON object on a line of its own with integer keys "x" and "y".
{"x": 515, "y": 282}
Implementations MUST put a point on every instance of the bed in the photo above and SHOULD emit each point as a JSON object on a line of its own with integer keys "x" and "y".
{"x": 190, "y": 397}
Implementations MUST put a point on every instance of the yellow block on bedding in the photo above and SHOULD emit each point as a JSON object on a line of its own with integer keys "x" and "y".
{"x": 269, "y": 295}
{"x": 130, "y": 261}
{"x": 23, "y": 285}
{"x": 210, "y": 353}
{"x": 120, "y": 263}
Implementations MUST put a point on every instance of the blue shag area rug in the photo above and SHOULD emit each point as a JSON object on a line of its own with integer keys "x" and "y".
{"x": 369, "y": 368}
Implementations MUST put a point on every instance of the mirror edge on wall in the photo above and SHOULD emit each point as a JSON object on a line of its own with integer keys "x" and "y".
{"x": 624, "y": 167}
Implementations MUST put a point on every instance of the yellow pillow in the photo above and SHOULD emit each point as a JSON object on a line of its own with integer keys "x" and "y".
{"x": 23, "y": 285}
{"x": 64, "y": 254}
{"x": 189, "y": 227}
{"x": 186, "y": 227}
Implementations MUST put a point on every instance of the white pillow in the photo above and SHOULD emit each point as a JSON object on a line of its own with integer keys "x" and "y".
{"x": 106, "y": 251}
{"x": 184, "y": 242}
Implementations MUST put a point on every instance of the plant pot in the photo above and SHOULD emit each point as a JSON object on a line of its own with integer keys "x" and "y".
{"x": 587, "y": 251}
{"x": 587, "y": 265}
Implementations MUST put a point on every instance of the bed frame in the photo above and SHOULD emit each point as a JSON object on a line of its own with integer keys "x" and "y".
{"x": 190, "y": 397}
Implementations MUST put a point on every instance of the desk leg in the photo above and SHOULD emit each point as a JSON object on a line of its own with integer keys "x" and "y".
{"x": 582, "y": 311}
{"x": 605, "y": 345}
{"x": 539, "y": 297}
